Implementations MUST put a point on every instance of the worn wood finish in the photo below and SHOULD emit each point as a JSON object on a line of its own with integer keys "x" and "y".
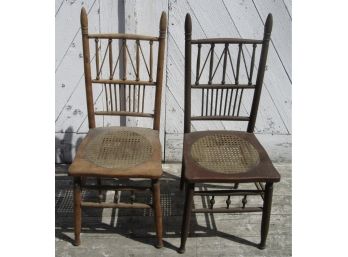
{"x": 206, "y": 152}
{"x": 156, "y": 191}
{"x": 123, "y": 36}
{"x": 188, "y": 33}
{"x": 77, "y": 210}
{"x": 226, "y": 41}
{"x": 87, "y": 68}
{"x": 260, "y": 73}
{"x": 118, "y": 187}
{"x": 124, "y": 113}
{"x": 228, "y": 192}
{"x": 150, "y": 168}
{"x": 126, "y": 86}
{"x": 266, "y": 214}
{"x": 160, "y": 67}
{"x": 119, "y": 152}
{"x": 237, "y": 101}
{"x": 186, "y": 216}
{"x": 123, "y": 82}
{"x": 220, "y": 101}
{"x": 222, "y": 117}
{"x": 212, "y": 18}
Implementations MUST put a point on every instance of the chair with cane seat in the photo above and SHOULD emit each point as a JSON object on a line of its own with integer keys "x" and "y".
{"x": 120, "y": 152}
{"x": 225, "y": 156}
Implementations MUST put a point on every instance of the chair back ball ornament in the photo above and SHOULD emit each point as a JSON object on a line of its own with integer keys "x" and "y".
{"x": 225, "y": 156}
{"x": 112, "y": 153}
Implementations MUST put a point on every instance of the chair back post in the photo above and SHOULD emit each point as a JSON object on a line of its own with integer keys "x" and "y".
{"x": 260, "y": 73}
{"x": 188, "y": 38}
{"x": 87, "y": 68}
{"x": 160, "y": 66}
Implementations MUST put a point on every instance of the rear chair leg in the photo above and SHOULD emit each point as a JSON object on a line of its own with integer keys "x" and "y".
{"x": 186, "y": 216}
{"x": 182, "y": 181}
{"x": 156, "y": 192}
{"x": 77, "y": 210}
{"x": 266, "y": 214}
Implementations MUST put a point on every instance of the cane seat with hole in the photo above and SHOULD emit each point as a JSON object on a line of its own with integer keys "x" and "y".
{"x": 227, "y": 156}
{"x": 119, "y": 152}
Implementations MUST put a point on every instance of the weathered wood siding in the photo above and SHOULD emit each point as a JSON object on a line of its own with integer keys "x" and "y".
{"x": 217, "y": 18}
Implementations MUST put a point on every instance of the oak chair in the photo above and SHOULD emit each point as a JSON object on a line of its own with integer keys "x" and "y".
{"x": 231, "y": 157}
{"x": 120, "y": 152}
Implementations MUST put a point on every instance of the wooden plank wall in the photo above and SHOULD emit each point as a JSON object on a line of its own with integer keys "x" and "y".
{"x": 210, "y": 18}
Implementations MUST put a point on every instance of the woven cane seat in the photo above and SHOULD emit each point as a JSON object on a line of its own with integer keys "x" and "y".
{"x": 119, "y": 152}
{"x": 118, "y": 149}
{"x": 224, "y": 153}
{"x": 226, "y": 156}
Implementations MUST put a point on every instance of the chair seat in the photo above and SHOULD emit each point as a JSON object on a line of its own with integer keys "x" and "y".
{"x": 119, "y": 152}
{"x": 226, "y": 156}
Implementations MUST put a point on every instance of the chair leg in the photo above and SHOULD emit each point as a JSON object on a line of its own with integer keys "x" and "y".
{"x": 266, "y": 214}
{"x": 156, "y": 192}
{"x": 77, "y": 210}
{"x": 186, "y": 216}
{"x": 182, "y": 181}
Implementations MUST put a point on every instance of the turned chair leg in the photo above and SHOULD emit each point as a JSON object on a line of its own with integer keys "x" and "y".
{"x": 186, "y": 216}
{"x": 266, "y": 214}
{"x": 77, "y": 210}
{"x": 156, "y": 192}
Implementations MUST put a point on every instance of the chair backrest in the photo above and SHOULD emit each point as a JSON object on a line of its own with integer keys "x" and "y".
{"x": 123, "y": 96}
{"x": 222, "y": 100}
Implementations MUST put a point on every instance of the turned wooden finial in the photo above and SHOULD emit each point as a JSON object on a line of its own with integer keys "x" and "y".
{"x": 269, "y": 24}
{"x": 84, "y": 21}
{"x": 188, "y": 24}
{"x": 163, "y": 24}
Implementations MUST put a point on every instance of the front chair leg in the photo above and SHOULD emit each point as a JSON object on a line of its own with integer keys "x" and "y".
{"x": 266, "y": 214}
{"x": 156, "y": 192}
{"x": 77, "y": 210}
{"x": 186, "y": 216}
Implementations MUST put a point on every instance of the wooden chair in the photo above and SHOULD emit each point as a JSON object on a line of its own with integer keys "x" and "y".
{"x": 120, "y": 152}
{"x": 225, "y": 156}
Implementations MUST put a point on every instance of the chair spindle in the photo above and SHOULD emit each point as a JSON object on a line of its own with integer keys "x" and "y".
{"x": 97, "y": 57}
{"x": 151, "y": 61}
{"x": 138, "y": 61}
{"x": 110, "y": 59}
{"x": 252, "y": 64}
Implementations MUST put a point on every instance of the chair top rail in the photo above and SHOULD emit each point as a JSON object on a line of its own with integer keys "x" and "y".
{"x": 123, "y": 36}
{"x": 221, "y": 117}
{"x": 226, "y": 41}
{"x": 222, "y": 86}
